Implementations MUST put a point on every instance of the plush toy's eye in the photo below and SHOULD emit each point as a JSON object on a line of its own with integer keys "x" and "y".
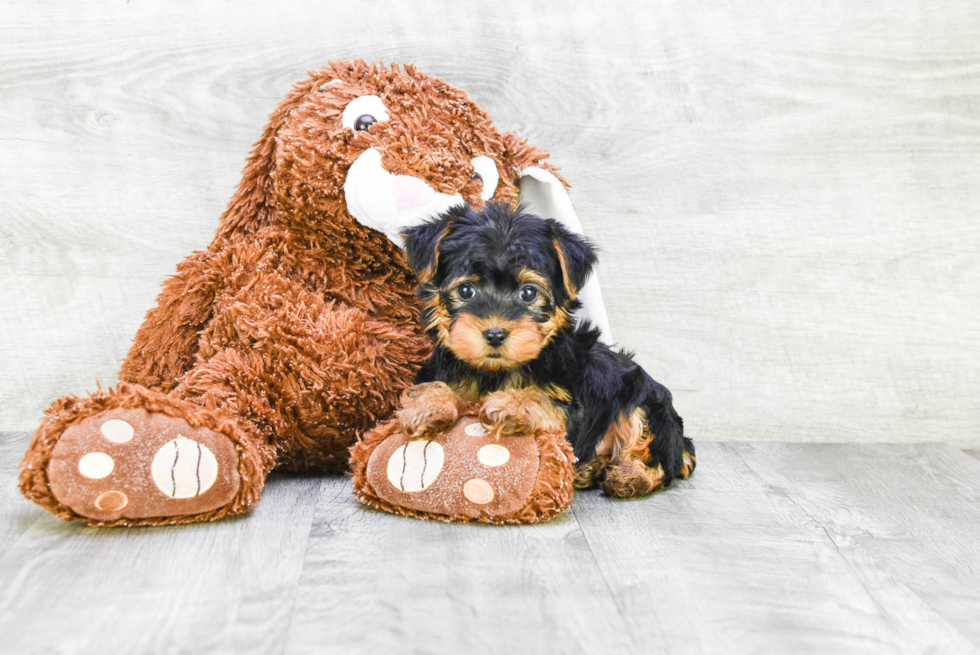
{"x": 466, "y": 291}
{"x": 485, "y": 169}
{"x": 528, "y": 294}
{"x": 364, "y": 122}
{"x": 361, "y": 113}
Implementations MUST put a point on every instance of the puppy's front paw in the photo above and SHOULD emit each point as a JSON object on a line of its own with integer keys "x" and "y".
{"x": 518, "y": 412}
{"x": 427, "y": 409}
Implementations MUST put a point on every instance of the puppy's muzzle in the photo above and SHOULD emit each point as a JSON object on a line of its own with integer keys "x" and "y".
{"x": 495, "y": 336}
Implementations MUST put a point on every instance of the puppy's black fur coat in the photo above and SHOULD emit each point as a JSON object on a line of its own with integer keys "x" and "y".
{"x": 602, "y": 384}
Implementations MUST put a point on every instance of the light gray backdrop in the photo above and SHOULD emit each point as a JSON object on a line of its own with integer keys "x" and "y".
{"x": 785, "y": 193}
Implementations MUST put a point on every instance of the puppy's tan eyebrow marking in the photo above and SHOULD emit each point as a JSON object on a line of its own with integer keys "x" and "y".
{"x": 530, "y": 276}
{"x": 460, "y": 280}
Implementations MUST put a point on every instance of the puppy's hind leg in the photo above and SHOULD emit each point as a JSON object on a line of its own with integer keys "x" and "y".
{"x": 688, "y": 460}
{"x": 631, "y": 472}
{"x": 669, "y": 446}
{"x": 589, "y": 474}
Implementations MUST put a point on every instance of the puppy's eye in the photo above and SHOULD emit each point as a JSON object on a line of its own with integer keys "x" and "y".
{"x": 485, "y": 169}
{"x": 528, "y": 294}
{"x": 466, "y": 291}
{"x": 361, "y": 113}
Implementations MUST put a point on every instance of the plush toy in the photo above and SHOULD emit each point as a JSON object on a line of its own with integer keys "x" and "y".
{"x": 464, "y": 473}
{"x": 295, "y": 331}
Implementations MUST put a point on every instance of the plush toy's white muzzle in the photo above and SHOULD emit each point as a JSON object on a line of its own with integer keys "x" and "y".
{"x": 389, "y": 203}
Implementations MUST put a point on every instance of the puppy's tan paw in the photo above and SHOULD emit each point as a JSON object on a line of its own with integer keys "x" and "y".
{"x": 519, "y": 412}
{"x": 632, "y": 479}
{"x": 689, "y": 464}
{"x": 589, "y": 474}
{"x": 427, "y": 409}
{"x": 429, "y": 393}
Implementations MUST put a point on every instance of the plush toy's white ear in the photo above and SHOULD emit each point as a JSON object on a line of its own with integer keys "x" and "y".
{"x": 544, "y": 194}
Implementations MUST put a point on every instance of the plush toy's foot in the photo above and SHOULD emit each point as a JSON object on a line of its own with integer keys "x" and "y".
{"x": 465, "y": 473}
{"x": 137, "y": 457}
{"x": 131, "y": 463}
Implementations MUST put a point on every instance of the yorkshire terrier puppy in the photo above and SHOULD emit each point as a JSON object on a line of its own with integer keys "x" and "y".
{"x": 499, "y": 287}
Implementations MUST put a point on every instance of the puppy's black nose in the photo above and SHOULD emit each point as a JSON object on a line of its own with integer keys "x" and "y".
{"x": 495, "y": 336}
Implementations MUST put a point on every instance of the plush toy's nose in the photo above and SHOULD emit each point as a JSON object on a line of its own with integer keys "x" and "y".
{"x": 410, "y": 192}
{"x": 434, "y": 155}
{"x": 495, "y": 336}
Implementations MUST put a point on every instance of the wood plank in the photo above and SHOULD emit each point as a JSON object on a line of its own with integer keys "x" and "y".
{"x": 907, "y": 520}
{"x": 379, "y": 583}
{"x": 785, "y": 196}
{"x": 220, "y": 587}
{"x": 737, "y": 560}
{"x": 16, "y": 514}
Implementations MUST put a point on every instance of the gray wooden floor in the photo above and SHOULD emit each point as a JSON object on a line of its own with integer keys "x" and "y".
{"x": 803, "y": 548}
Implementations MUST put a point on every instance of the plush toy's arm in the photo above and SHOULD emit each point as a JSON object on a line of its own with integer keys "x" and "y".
{"x": 166, "y": 344}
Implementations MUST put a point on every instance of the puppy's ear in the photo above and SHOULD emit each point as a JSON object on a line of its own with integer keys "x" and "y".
{"x": 422, "y": 244}
{"x": 576, "y": 257}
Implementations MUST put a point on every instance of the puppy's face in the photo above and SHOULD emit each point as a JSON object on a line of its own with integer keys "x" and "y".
{"x": 498, "y": 319}
{"x": 498, "y": 284}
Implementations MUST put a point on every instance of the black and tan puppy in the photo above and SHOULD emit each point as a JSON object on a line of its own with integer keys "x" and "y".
{"x": 499, "y": 288}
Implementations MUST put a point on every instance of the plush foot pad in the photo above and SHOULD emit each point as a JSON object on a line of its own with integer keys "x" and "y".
{"x": 464, "y": 474}
{"x": 135, "y": 464}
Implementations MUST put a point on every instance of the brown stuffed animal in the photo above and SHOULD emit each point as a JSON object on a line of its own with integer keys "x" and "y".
{"x": 296, "y": 329}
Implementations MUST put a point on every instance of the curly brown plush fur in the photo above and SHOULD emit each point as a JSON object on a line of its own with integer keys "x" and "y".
{"x": 296, "y": 329}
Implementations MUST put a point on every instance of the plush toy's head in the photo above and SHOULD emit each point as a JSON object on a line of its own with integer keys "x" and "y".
{"x": 363, "y": 151}
{"x": 498, "y": 283}
{"x": 386, "y": 147}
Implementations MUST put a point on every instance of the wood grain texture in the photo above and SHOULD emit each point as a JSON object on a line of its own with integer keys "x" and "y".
{"x": 769, "y": 547}
{"x": 785, "y": 195}
{"x": 220, "y": 587}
